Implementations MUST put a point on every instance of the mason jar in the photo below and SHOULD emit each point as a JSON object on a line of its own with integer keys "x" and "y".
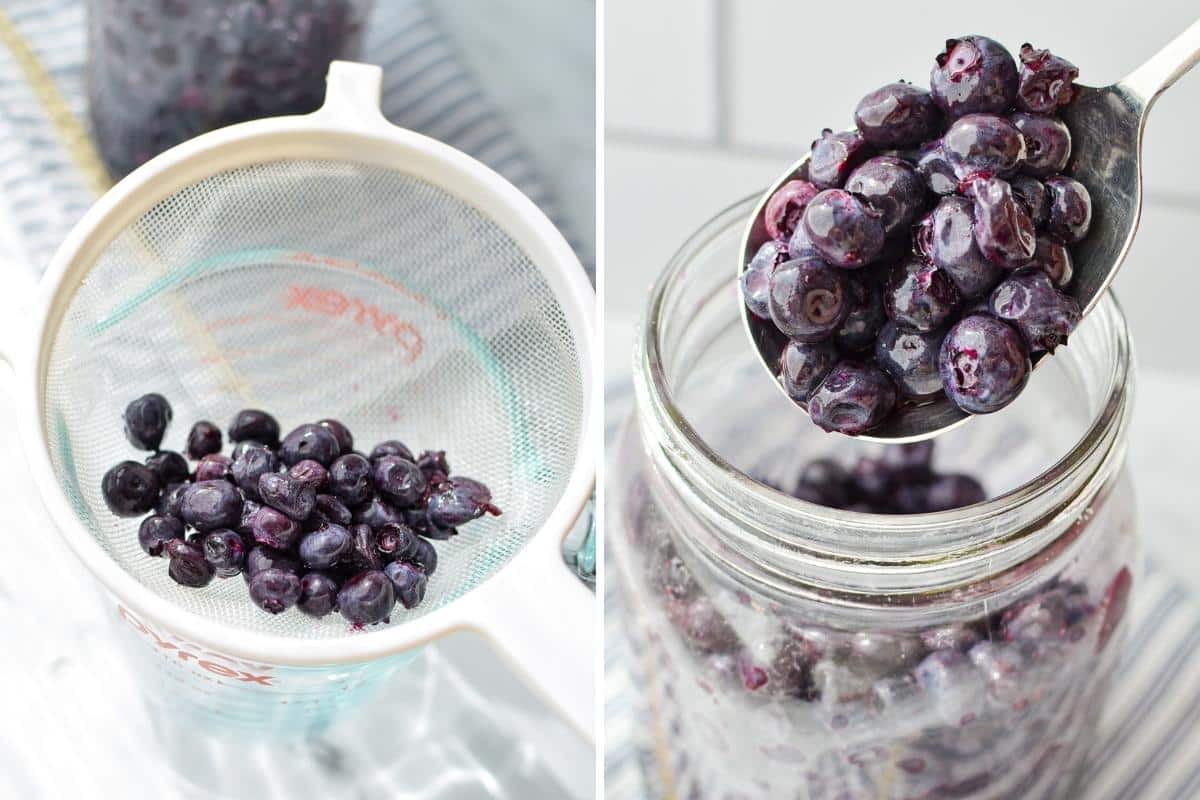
{"x": 789, "y": 649}
{"x": 162, "y": 71}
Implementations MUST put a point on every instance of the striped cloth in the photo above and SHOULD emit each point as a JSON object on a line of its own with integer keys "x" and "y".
{"x": 1149, "y": 742}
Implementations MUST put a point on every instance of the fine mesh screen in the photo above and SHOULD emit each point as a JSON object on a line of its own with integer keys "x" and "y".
{"x": 320, "y": 289}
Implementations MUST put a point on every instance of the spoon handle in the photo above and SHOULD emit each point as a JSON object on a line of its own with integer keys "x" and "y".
{"x": 1166, "y": 66}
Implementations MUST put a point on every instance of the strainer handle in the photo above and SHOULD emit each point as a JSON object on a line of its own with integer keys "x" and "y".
{"x": 353, "y": 93}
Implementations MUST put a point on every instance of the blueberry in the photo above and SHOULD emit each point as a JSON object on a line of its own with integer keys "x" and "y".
{"x": 909, "y": 462}
{"x": 350, "y": 479}
{"x": 953, "y": 491}
{"x": 854, "y": 398}
{"x": 274, "y": 590}
{"x": 871, "y": 480}
{"x": 1030, "y": 302}
{"x": 249, "y": 510}
{"x": 1003, "y": 230}
{"x": 377, "y": 513}
{"x": 365, "y": 554}
{"x": 892, "y": 187}
{"x": 310, "y": 473}
{"x": 252, "y": 462}
{"x": 458, "y": 501}
{"x": 974, "y": 74}
{"x": 273, "y": 527}
{"x": 866, "y": 317}
{"x": 433, "y": 464}
{"x": 203, "y": 439}
{"x": 1053, "y": 258}
{"x": 130, "y": 489}
{"x": 785, "y": 208}
{"x": 799, "y": 246}
{"x": 367, "y": 598}
{"x": 1047, "y": 143}
{"x": 946, "y": 236}
{"x": 935, "y": 168}
{"x": 209, "y": 505}
{"x": 909, "y": 498}
{"x": 169, "y": 466}
{"x": 845, "y": 230}
{"x": 326, "y": 546}
{"x": 897, "y": 115}
{"x": 408, "y": 583}
{"x": 329, "y": 509}
{"x": 803, "y": 366}
{"x": 756, "y": 278}
{"x": 911, "y": 359}
{"x": 828, "y": 479}
{"x": 188, "y": 566}
{"x": 424, "y": 555}
{"x": 984, "y": 364}
{"x": 984, "y": 146}
{"x": 399, "y": 480}
{"x": 1033, "y": 197}
{"x": 155, "y": 531}
{"x": 309, "y": 442}
{"x": 808, "y": 300}
{"x": 345, "y": 439}
{"x": 146, "y": 421}
{"x": 834, "y": 155}
{"x": 418, "y": 520}
{"x": 288, "y": 495}
{"x": 264, "y": 557}
{"x": 225, "y": 551}
{"x": 1046, "y": 81}
{"x": 1070, "y": 209}
{"x": 214, "y": 467}
{"x": 392, "y": 448}
{"x": 920, "y": 296}
{"x": 171, "y": 503}
{"x": 318, "y": 594}
{"x": 395, "y": 540}
{"x": 252, "y": 425}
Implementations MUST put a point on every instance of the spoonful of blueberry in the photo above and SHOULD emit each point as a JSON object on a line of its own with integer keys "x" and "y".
{"x": 910, "y": 272}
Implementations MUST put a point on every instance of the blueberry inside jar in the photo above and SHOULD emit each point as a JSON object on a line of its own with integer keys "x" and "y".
{"x": 822, "y": 616}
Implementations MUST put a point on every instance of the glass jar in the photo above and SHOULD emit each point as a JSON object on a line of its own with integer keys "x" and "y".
{"x": 162, "y": 71}
{"x": 788, "y": 649}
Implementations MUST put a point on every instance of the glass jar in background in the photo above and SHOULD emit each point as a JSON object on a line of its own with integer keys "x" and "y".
{"x": 787, "y": 649}
{"x": 162, "y": 71}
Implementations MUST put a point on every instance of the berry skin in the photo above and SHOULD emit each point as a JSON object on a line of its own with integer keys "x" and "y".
{"x": 1030, "y": 302}
{"x": 458, "y": 501}
{"x": 326, "y": 546}
{"x": 853, "y": 399}
{"x": 345, "y": 439}
{"x": 318, "y": 594}
{"x": 146, "y": 421}
{"x": 309, "y": 441}
{"x": 897, "y": 115}
{"x": 756, "y": 278}
{"x": 188, "y": 566}
{"x": 424, "y": 555}
{"x": 408, "y": 583}
{"x": 274, "y": 590}
{"x": 214, "y": 467}
{"x": 920, "y": 296}
{"x": 252, "y": 462}
{"x": 892, "y": 187}
{"x": 984, "y": 364}
{"x": 1053, "y": 258}
{"x": 1033, "y": 197}
{"x": 203, "y": 439}
{"x": 911, "y": 359}
{"x": 1003, "y": 230}
{"x": 130, "y": 489}
{"x": 974, "y": 74}
{"x": 984, "y": 146}
{"x": 310, "y": 473}
{"x": 866, "y": 317}
{"x": 803, "y": 366}
{"x": 433, "y": 464}
{"x": 785, "y": 208}
{"x": 946, "y": 236}
{"x": 1047, "y": 144}
{"x": 833, "y": 156}
{"x": 395, "y": 540}
{"x": 272, "y": 527}
{"x": 169, "y": 466}
{"x": 953, "y": 491}
{"x": 935, "y": 168}
{"x": 329, "y": 509}
{"x": 377, "y": 512}
{"x": 225, "y": 551}
{"x": 846, "y": 231}
{"x": 350, "y": 479}
{"x": 288, "y": 495}
{"x": 171, "y": 502}
{"x": 1045, "y": 82}
{"x": 252, "y": 425}
{"x": 399, "y": 480}
{"x": 367, "y": 598}
{"x": 809, "y": 299}
{"x": 155, "y": 531}
{"x": 263, "y": 557}
{"x": 392, "y": 448}
{"x": 1070, "y": 209}
{"x": 209, "y": 505}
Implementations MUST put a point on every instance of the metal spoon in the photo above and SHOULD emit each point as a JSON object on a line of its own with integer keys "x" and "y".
{"x": 1106, "y": 139}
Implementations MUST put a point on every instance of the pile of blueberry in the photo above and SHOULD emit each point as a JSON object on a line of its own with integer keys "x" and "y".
{"x": 308, "y": 521}
{"x": 928, "y": 250}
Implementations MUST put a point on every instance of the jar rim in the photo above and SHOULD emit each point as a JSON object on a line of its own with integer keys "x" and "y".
{"x": 836, "y": 534}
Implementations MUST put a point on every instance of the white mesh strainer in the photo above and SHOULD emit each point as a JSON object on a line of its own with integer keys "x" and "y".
{"x": 331, "y": 265}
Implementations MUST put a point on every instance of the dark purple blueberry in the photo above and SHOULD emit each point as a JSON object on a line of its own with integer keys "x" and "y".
{"x": 984, "y": 364}
{"x": 318, "y": 594}
{"x": 169, "y": 466}
{"x": 214, "y": 467}
{"x": 288, "y": 495}
{"x": 367, "y": 598}
{"x": 155, "y": 531}
{"x": 130, "y": 489}
{"x": 329, "y": 509}
{"x": 345, "y": 439}
{"x": 399, "y": 480}
{"x": 433, "y": 464}
{"x": 249, "y": 509}
{"x": 983, "y": 146}
{"x": 1070, "y": 209}
{"x": 252, "y": 462}
{"x": 350, "y": 479}
{"x": 395, "y": 540}
{"x": 909, "y": 462}
{"x": 866, "y": 317}
{"x": 392, "y": 448}
{"x": 828, "y": 479}
{"x": 1030, "y": 302}
{"x": 799, "y": 246}
{"x": 974, "y": 74}
{"x": 274, "y": 528}
{"x": 408, "y": 582}
{"x": 897, "y": 115}
{"x": 953, "y": 491}
{"x": 785, "y": 208}
{"x": 804, "y": 365}
{"x": 854, "y": 398}
{"x": 1033, "y": 197}
{"x": 845, "y": 230}
{"x": 365, "y": 555}
{"x": 424, "y": 555}
{"x": 310, "y": 473}
{"x": 809, "y": 299}
{"x": 920, "y": 296}
{"x": 1003, "y": 230}
{"x": 935, "y": 168}
{"x": 188, "y": 566}
{"x": 264, "y": 557}
{"x": 458, "y": 501}
{"x": 203, "y": 439}
{"x": 1053, "y": 258}
{"x": 418, "y": 520}
{"x": 892, "y": 187}
{"x": 309, "y": 442}
{"x": 146, "y": 421}
{"x": 326, "y": 546}
{"x": 225, "y": 551}
{"x": 834, "y": 155}
{"x": 946, "y": 236}
{"x": 1046, "y": 81}
{"x": 1047, "y": 143}
{"x": 171, "y": 503}
{"x": 252, "y": 425}
{"x": 756, "y": 278}
{"x": 377, "y": 513}
{"x": 871, "y": 480}
{"x": 911, "y": 359}
{"x": 274, "y": 590}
